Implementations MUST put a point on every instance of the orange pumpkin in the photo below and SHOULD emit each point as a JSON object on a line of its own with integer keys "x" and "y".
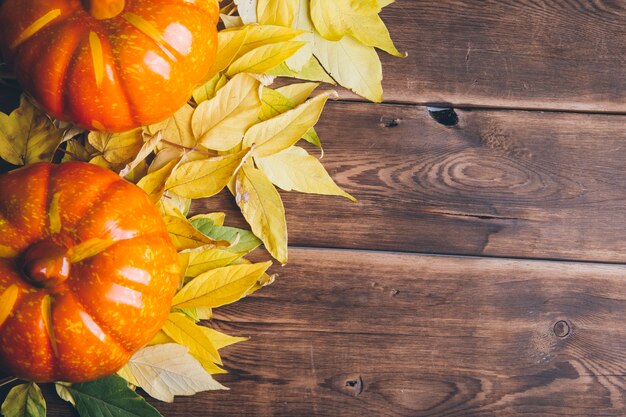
{"x": 110, "y": 65}
{"x": 87, "y": 272}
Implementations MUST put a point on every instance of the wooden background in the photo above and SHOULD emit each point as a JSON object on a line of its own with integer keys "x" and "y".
{"x": 482, "y": 271}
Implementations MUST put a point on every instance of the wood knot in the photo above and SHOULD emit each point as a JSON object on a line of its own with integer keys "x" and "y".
{"x": 444, "y": 116}
{"x": 562, "y": 329}
{"x": 389, "y": 123}
{"x": 356, "y": 385}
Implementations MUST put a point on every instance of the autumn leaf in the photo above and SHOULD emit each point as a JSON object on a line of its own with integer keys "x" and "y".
{"x": 359, "y": 68}
{"x": 184, "y": 331}
{"x": 220, "y": 286}
{"x": 25, "y": 400}
{"x": 205, "y": 177}
{"x": 335, "y": 19}
{"x": 277, "y": 12}
{"x": 27, "y": 135}
{"x": 241, "y": 241}
{"x": 185, "y": 236}
{"x": 168, "y": 370}
{"x": 117, "y": 148}
{"x": 312, "y": 70}
{"x": 202, "y": 260}
{"x": 281, "y": 132}
{"x": 295, "y": 169}
{"x": 220, "y": 123}
{"x": 176, "y": 129}
{"x": 264, "y": 58}
{"x": 263, "y": 209}
{"x": 154, "y": 183}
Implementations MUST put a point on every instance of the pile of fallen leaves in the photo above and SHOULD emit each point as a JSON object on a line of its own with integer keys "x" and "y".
{"x": 239, "y": 133}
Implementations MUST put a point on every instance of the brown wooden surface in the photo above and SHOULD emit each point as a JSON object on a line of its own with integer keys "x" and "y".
{"x": 555, "y": 181}
{"x": 357, "y": 333}
{"x": 532, "y": 54}
{"x": 351, "y": 328}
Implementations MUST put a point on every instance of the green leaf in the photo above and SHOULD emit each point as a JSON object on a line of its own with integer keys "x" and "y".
{"x": 109, "y": 397}
{"x": 24, "y": 400}
{"x": 242, "y": 241}
{"x": 311, "y": 71}
{"x": 263, "y": 209}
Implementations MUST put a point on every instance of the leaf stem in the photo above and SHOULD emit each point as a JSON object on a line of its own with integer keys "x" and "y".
{"x": 194, "y": 149}
{"x": 7, "y": 381}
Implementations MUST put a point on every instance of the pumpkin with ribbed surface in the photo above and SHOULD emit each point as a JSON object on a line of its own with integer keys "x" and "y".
{"x": 110, "y": 65}
{"x": 87, "y": 272}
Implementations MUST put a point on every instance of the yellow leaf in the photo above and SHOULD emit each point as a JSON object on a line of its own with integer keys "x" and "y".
{"x": 75, "y": 151}
{"x": 295, "y": 169}
{"x": 176, "y": 129}
{"x": 117, "y": 148}
{"x": 220, "y": 286}
{"x": 165, "y": 371}
{"x": 185, "y": 236}
{"x": 353, "y": 65}
{"x": 208, "y": 90}
{"x": 231, "y": 21}
{"x": 311, "y": 71}
{"x": 229, "y": 47}
{"x": 154, "y": 183}
{"x": 205, "y": 177}
{"x": 247, "y": 10}
{"x": 164, "y": 157}
{"x": 201, "y": 261}
{"x": 335, "y": 19}
{"x": 217, "y": 218}
{"x": 263, "y": 209}
{"x": 277, "y": 12}
{"x": 264, "y": 58}
{"x": 221, "y": 122}
{"x": 283, "y": 131}
{"x": 187, "y": 333}
{"x": 160, "y": 339}
{"x": 273, "y": 103}
{"x": 27, "y": 135}
{"x": 302, "y": 22}
{"x": 298, "y": 93}
{"x": 259, "y": 35}
{"x": 146, "y": 149}
{"x": 221, "y": 340}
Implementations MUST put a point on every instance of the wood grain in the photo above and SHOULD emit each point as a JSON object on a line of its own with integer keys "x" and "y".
{"x": 558, "y": 54}
{"x": 348, "y": 333}
{"x": 501, "y": 183}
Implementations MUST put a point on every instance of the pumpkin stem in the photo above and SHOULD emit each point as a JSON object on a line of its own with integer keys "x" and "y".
{"x": 104, "y": 9}
{"x": 45, "y": 264}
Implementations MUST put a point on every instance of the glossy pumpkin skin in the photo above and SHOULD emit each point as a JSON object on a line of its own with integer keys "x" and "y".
{"x": 112, "y": 74}
{"x": 63, "y": 318}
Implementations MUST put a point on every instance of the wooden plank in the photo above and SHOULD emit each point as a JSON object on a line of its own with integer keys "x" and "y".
{"x": 501, "y": 183}
{"x": 370, "y": 334}
{"x": 556, "y": 54}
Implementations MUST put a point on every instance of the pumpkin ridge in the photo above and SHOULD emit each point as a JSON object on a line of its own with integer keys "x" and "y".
{"x": 117, "y": 67}
{"x": 116, "y": 338}
{"x": 89, "y": 212}
{"x": 69, "y": 69}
